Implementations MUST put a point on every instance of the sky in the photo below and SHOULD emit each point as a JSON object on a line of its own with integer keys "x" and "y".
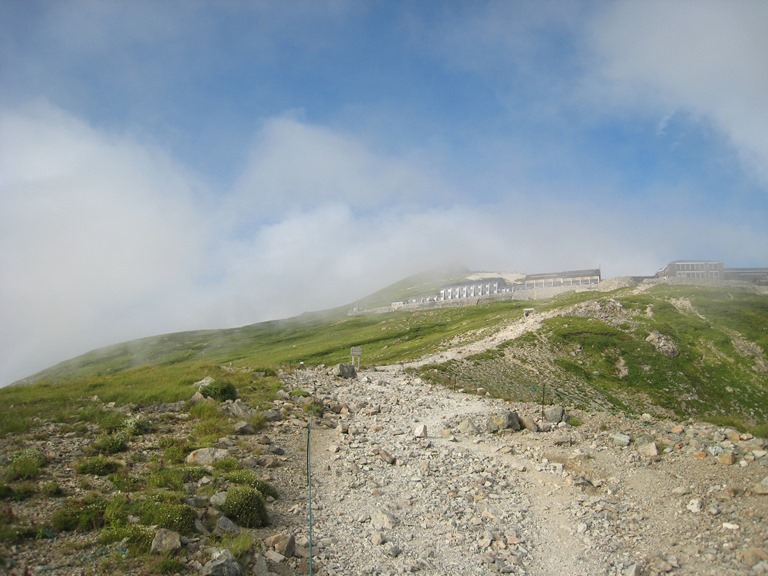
{"x": 179, "y": 165}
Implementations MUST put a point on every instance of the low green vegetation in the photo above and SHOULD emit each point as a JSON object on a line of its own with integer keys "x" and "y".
{"x": 245, "y": 505}
{"x": 250, "y": 478}
{"x": 24, "y": 465}
{"x": 109, "y": 444}
{"x": 582, "y": 358}
{"x": 97, "y": 466}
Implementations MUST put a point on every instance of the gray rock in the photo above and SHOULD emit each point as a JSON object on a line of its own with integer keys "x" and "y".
{"x": 529, "y": 423}
{"x": 505, "y": 421}
{"x": 620, "y": 439}
{"x": 555, "y": 414}
{"x": 383, "y": 519}
{"x": 206, "y": 456}
{"x": 222, "y": 564}
{"x": 225, "y": 526}
{"x": 347, "y": 371}
{"x": 468, "y": 427}
{"x": 420, "y": 431}
{"x": 165, "y": 541}
{"x": 242, "y": 428}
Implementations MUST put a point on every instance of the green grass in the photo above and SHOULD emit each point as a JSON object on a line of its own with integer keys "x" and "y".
{"x": 713, "y": 377}
{"x": 24, "y": 465}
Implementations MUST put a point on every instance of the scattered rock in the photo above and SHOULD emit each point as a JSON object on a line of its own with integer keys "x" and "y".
{"x": 505, "y": 421}
{"x": 468, "y": 427}
{"x": 222, "y": 564}
{"x": 206, "y": 456}
{"x": 620, "y": 439}
{"x": 383, "y": 519}
{"x": 283, "y": 543}
{"x": 529, "y": 423}
{"x": 663, "y": 344}
{"x": 165, "y": 542}
{"x": 347, "y": 371}
{"x": 554, "y": 414}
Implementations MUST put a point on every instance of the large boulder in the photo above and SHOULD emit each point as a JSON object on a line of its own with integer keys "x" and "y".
{"x": 165, "y": 542}
{"x": 347, "y": 371}
{"x": 555, "y": 414}
{"x": 505, "y": 421}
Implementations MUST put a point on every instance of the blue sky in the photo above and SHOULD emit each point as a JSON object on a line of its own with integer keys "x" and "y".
{"x": 177, "y": 165}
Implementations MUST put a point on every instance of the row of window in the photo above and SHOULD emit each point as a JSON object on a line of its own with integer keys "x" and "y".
{"x": 711, "y": 274}
{"x": 691, "y": 266}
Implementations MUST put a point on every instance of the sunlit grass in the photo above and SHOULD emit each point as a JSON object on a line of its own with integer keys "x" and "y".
{"x": 709, "y": 378}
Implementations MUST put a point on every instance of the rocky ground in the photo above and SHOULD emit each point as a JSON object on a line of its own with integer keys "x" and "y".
{"x": 407, "y": 477}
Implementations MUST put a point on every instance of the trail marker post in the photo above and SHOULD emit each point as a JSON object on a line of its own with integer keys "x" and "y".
{"x": 357, "y": 352}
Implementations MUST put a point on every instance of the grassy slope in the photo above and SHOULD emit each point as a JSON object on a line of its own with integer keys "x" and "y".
{"x": 714, "y": 376}
{"x": 717, "y": 376}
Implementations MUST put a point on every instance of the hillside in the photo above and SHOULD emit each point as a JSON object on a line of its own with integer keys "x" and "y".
{"x": 673, "y": 350}
{"x": 95, "y": 447}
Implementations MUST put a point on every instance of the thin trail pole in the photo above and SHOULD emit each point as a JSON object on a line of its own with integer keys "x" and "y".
{"x": 309, "y": 468}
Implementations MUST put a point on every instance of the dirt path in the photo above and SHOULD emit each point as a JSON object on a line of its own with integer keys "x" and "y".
{"x": 448, "y": 503}
{"x": 569, "y": 501}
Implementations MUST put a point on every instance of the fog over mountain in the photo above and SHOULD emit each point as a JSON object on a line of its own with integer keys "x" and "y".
{"x": 173, "y": 166}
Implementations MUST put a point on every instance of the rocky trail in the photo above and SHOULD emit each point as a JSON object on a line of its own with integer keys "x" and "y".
{"x": 409, "y": 477}
{"x": 413, "y": 478}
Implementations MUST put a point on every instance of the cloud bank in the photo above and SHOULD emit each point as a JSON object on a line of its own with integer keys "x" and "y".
{"x": 177, "y": 167}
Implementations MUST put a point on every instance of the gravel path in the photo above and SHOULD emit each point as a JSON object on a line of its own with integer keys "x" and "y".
{"x": 388, "y": 500}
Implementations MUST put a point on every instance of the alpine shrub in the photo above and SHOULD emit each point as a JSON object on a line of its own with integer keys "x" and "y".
{"x": 220, "y": 391}
{"x": 249, "y": 478}
{"x": 245, "y": 505}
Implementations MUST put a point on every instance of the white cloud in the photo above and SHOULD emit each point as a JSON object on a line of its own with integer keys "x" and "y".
{"x": 707, "y": 57}
{"x": 104, "y": 238}
{"x": 294, "y": 166}
{"x": 91, "y": 226}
